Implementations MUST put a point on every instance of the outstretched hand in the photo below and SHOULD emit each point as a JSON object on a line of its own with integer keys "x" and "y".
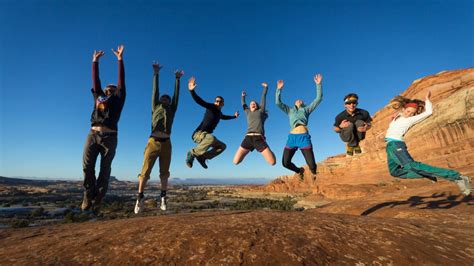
{"x": 156, "y": 66}
{"x": 244, "y": 94}
{"x": 428, "y": 95}
{"x": 318, "y": 78}
{"x": 236, "y": 114}
{"x": 192, "y": 83}
{"x": 264, "y": 84}
{"x": 178, "y": 73}
{"x": 280, "y": 84}
{"x": 119, "y": 51}
{"x": 97, "y": 55}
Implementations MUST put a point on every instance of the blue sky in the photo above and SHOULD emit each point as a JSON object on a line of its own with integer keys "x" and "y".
{"x": 374, "y": 48}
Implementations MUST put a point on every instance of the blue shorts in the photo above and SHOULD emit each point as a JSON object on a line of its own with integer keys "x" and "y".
{"x": 299, "y": 141}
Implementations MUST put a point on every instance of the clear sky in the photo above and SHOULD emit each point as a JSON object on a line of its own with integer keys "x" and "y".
{"x": 373, "y": 48}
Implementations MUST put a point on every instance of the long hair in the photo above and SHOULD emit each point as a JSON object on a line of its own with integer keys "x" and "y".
{"x": 399, "y": 102}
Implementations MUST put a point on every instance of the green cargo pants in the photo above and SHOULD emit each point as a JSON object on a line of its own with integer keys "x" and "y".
{"x": 205, "y": 141}
{"x": 402, "y": 165}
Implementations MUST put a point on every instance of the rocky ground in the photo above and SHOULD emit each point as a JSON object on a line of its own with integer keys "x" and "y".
{"x": 427, "y": 224}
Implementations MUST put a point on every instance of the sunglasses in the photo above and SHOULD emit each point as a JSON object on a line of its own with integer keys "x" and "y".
{"x": 219, "y": 101}
{"x": 354, "y": 103}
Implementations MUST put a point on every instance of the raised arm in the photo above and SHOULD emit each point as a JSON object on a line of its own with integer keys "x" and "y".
{"x": 278, "y": 102}
{"x": 121, "y": 71}
{"x": 155, "y": 98}
{"x": 191, "y": 86}
{"x": 244, "y": 105}
{"x": 174, "y": 102}
{"x": 428, "y": 111}
{"x": 319, "y": 94}
{"x": 96, "y": 86}
{"x": 264, "y": 96}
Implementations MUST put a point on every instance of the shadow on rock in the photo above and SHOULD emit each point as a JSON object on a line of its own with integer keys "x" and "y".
{"x": 435, "y": 201}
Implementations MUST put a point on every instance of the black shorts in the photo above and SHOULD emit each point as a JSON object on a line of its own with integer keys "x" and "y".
{"x": 254, "y": 142}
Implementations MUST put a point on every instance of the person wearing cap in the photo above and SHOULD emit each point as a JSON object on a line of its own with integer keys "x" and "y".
{"x": 352, "y": 123}
{"x": 163, "y": 109}
{"x": 102, "y": 137}
{"x": 208, "y": 146}
{"x": 299, "y": 137}
{"x": 399, "y": 161}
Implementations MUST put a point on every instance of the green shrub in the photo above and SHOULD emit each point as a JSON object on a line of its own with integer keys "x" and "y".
{"x": 252, "y": 204}
{"x": 19, "y": 223}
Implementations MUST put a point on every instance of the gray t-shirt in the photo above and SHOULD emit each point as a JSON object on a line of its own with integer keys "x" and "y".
{"x": 256, "y": 119}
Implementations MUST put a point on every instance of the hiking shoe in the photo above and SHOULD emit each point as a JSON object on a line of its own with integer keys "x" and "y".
{"x": 301, "y": 174}
{"x": 139, "y": 205}
{"x": 349, "y": 150}
{"x": 163, "y": 202}
{"x": 464, "y": 185}
{"x": 202, "y": 161}
{"x": 357, "y": 149}
{"x": 189, "y": 159}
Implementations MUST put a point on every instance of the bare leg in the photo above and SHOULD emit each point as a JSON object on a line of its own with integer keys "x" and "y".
{"x": 269, "y": 156}
{"x": 240, "y": 155}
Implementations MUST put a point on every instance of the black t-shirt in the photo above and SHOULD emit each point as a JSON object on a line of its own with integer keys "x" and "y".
{"x": 359, "y": 114}
{"x": 212, "y": 116}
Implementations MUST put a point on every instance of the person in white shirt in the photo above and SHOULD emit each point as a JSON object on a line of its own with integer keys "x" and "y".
{"x": 400, "y": 162}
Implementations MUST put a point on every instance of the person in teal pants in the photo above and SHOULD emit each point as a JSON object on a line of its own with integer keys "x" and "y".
{"x": 400, "y": 162}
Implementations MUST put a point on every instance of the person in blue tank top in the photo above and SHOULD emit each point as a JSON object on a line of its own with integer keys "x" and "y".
{"x": 299, "y": 137}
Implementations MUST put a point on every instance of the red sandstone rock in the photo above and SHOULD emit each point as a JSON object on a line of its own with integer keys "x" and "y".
{"x": 446, "y": 139}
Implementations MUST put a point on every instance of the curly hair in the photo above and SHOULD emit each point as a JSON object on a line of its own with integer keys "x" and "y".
{"x": 399, "y": 102}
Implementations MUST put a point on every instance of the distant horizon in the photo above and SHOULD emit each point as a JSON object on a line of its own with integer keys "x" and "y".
{"x": 171, "y": 179}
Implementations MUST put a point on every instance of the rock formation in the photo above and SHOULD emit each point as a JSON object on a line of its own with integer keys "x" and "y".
{"x": 446, "y": 139}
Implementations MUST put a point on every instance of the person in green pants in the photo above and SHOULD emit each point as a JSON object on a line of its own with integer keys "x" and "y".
{"x": 400, "y": 162}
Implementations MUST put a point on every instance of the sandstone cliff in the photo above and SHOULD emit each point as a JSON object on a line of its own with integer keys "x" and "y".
{"x": 446, "y": 139}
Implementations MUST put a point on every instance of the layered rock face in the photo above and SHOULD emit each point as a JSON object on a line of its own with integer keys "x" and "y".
{"x": 445, "y": 139}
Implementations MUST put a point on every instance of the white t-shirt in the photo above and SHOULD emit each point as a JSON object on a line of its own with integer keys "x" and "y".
{"x": 400, "y": 125}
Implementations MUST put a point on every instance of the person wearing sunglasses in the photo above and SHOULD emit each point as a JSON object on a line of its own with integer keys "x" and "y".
{"x": 352, "y": 124}
{"x": 299, "y": 137}
{"x": 163, "y": 110}
{"x": 208, "y": 146}
{"x": 255, "y": 135}
{"x": 102, "y": 137}
{"x": 399, "y": 161}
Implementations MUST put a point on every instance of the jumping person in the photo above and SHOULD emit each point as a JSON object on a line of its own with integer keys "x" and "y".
{"x": 352, "y": 123}
{"x": 203, "y": 133}
{"x": 102, "y": 138}
{"x": 255, "y": 136}
{"x": 400, "y": 162}
{"x": 299, "y": 137}
{"x": 163, "y": 110}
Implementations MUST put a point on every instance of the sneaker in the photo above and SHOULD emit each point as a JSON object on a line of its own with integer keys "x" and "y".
{"x": 202, "y": 161}
{"x": 139, "y": 205}
{"x": 189, "y": 159}
{"x": 464, "y": 185}
{"x": 163, "y": 202}
{"x": 357, "y": 149}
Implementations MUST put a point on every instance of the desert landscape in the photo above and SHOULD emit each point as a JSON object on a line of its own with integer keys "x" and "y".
{"x": 353, "y": 213}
